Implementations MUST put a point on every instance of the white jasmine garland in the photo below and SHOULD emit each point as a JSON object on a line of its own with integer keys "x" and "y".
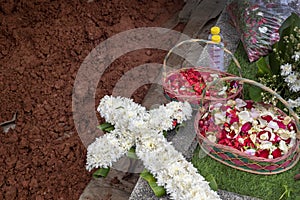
{"x": 136, "y": 126}
{"x": 172, "y": 171}
{"x": 108, "y": 149}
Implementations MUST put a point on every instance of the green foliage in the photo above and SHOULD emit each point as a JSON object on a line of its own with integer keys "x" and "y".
{"x": 212, "y": 182}
{"x": 248, "y": 70}
{"x": 266, "y": 187}
{"x": 107, "y": 127}
{"x": 289, "y": 24}
{"x": 102, "y": 172}
{"x": 255, "y": 93}
{"x": 131, "y": 153}
{"x": 269, "y": 67}
{"x": 159, "y": 191}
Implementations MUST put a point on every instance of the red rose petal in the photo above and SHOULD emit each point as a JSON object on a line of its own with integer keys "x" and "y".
{"x": 246, "y": 127}
{"x": 276, "y": 153}
{"x": 268, "y": 118}
{"x": 280, "y": 124}
{"x": 291, "y": 126}
{"x": 262, "y": 153}
{"x": 249, "y": 104}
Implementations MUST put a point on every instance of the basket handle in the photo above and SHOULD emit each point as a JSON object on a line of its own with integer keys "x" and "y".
{"x": 244, "y": 80}
{"x": 198, "y": 41}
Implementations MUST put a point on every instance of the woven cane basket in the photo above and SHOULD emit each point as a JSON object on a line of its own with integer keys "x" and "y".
{"x": 204, "y": 73}
{"x": 240, "y": 160}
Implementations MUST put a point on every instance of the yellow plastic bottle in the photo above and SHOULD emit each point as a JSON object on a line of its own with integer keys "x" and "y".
{"x": 216, "y": 53}
{"x": 215, "y": 30}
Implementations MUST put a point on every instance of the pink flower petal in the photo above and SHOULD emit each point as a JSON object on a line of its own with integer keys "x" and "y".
{"x": 246, "y": 127}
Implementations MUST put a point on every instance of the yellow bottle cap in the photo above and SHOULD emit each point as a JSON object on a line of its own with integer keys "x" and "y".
{"x": 215, "y": 30}
{"x": 216, "y": 38}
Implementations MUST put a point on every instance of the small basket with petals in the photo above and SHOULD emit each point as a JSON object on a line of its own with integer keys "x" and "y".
{"x": 188, "y": 83}
{"x": 249, "y": 136}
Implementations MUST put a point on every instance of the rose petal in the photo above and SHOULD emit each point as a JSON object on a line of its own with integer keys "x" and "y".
{"x": 268, "y": 118}
{"x": 280, "y": 124}
{"x": 240, "y": 103}
{"x": 253, "y": 138}
{"x": 250, "y": 152}
{"x": 283, "y": 147}
{"x": 263, "y": 153}
{"x": 276, "y": 153}
{"x": 291, "y": 126}
{"x": 246, "y": 127}
{"x": 264, "y": 135}
{"x": 254, "y": 113}
{"x": 219, "y": 118}
{"x": 245, "y": 116}
{"x": 274, "y": 125}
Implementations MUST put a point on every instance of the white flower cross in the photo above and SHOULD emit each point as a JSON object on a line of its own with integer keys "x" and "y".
{"x": 134, "y": 125}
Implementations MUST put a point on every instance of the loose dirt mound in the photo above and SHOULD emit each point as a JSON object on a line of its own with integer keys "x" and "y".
{"x": 42, "y": 45}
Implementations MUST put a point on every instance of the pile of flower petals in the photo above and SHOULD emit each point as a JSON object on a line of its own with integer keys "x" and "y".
{"x": 256, "y": 129}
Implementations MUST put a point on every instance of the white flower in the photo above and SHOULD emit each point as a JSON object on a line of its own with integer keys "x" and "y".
{"x": 107, "y": 149}
{"x": 254, "y": 113}
{"x": 263, "y": 29}
{"x": 291, "y": 78}
{"x": 172, "y": 171}
{"x": 296, "y": 56}
{"x": 286, "y": 69}
{"x": 294, "y": 103}
{"x": 136, "y": 126}
{"x": 295, "y": 87}
{"x": 250, "y": 152}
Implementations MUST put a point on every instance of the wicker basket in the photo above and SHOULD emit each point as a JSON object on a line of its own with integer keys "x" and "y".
{"x": 241, "y": 160}
{"x": 206, "y": 74}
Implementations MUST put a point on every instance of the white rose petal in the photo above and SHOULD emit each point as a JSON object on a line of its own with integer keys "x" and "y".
{"x": 245, "y": 116}
{"x": 240, "y": 103}
{"x": 273, "y": 125}
{"x": 220, "y": 118}
{"x": 250, "y": 152}
{"x": 283, "y": 147}
{"x": 266, "y": 145}
{"x": 212, "y": 138}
